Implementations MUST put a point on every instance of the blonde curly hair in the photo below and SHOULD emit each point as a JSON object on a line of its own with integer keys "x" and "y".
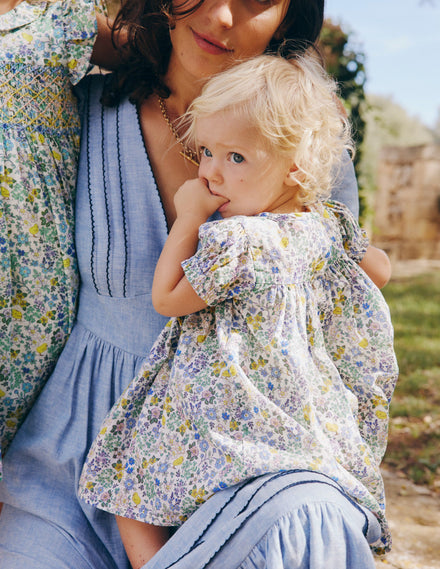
{"x": 294, "y": 106}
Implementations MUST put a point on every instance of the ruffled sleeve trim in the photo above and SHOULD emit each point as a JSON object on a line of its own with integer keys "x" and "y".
{"x": 222, "y": 268}
{"x": 354, "y": 238}
{"x": 20, "y": 16}
{"x": 80, "y": 28}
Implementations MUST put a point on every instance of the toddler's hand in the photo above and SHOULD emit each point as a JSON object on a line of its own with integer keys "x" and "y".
{"x": 193, "y": 199}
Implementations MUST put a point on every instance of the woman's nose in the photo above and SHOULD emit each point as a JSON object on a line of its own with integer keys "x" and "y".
{"x": 221, "y": 11}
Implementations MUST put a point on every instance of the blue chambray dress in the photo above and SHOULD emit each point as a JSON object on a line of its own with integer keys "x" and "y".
{"x": 120, "y": 231}
{"x": 45, "y": 48}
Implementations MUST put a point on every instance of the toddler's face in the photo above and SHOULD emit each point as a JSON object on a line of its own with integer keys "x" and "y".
{"x": 238, "y": 166}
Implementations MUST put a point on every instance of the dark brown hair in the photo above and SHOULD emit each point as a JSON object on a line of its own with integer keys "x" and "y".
{"x": 146, "y": 54}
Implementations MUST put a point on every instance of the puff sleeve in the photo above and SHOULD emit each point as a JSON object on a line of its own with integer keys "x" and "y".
{"x": 354, "y": 238}
{"x": 223, "y": 267}
{"x": 80, "y": 28}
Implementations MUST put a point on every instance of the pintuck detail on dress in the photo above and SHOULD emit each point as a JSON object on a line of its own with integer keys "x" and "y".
{"x": 291, "y": 366}
{"x": 44, "y": 50}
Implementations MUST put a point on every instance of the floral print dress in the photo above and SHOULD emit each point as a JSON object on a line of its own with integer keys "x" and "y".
{"x": 291, "y": 366}
{"x": 45, "y": 48}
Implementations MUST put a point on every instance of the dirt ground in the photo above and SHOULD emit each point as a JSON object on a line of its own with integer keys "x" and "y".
{"x": 414, "y": 516}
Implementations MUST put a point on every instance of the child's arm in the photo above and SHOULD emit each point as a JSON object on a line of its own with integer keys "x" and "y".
{"x": 172, "y": 294}
{"x": 377, "y": 265}
{"x": 141, "y": 540}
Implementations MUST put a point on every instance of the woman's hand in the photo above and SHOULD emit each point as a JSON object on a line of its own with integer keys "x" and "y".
{"x": 194, "y": 200}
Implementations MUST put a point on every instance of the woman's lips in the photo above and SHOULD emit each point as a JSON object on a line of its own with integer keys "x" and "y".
{"x": 210, "y": 45}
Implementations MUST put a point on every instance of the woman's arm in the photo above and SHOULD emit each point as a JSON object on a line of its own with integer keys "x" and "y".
{"x": 172, "y": 294}
{"x": 377, "y": 265}
{"x": 105, "y": 54}
{"x": 345, "y": 189}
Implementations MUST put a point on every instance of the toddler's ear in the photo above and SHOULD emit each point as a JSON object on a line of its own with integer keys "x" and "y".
{"x": 292, "y": 176}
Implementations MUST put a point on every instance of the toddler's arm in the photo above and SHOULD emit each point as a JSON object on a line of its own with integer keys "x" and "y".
{"x": 377, "y": 265}
{"x": 141, "y": 541}
{"x": 172, "y": 294}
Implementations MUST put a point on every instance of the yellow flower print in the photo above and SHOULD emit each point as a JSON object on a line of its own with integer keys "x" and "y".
{"x": 257, "y": 364}
{"x": 381, "y": 414}
{"x": 363, "y": 343}
{"x": 307, "y": 412}
{"x": 284, "y": 242}
{"x": 255, "y": 321}
{"x": 198, "y": 494}
{"x": 332, "y": 427}
{"x": 256, "y": 253}
{"x": 339, "y": 353}
{"x": 218, "y": 366}
{"x": 229, "y": 372}
{"x": 178, "y": 461}
{"x": 136, "y": 499}
{"x": 315, "y": 464}
{"x": 318, "y": 266}
{"x": 118, "y": 466}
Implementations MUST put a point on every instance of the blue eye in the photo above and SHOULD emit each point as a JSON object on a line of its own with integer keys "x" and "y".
{"x": 206, "y": 152}
{"x": 237, "y": 158}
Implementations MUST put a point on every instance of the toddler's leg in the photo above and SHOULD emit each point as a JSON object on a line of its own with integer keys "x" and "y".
{"x": 141, "y": 540}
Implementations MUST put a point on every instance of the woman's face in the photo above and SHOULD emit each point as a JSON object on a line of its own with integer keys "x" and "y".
{"x": 220, "y": 32}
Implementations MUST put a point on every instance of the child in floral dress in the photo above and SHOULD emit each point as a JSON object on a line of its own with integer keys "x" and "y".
{"x": 280, "y": 353}
{"x": 45, "y": 48}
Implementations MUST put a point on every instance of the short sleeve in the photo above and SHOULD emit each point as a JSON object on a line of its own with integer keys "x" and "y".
{"x": 354, "y": 238}
{"x": 80, "y": 30}
{"x": 222, "y": 268}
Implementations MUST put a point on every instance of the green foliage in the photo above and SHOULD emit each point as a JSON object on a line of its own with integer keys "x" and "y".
{"x": 414, "y": 440}
{"x": 345, "y": 63}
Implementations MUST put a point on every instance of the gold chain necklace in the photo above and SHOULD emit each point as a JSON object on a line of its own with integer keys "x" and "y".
{"x": 186, "y": 152}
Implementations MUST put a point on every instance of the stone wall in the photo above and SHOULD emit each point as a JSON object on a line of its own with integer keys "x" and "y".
{"x": 407, "y": 208}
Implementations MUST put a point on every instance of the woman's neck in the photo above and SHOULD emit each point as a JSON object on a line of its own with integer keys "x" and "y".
{"x": 8, "y": 5}
{"x": 184, "y": 88}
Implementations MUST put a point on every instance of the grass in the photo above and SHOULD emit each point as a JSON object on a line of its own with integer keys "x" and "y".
{"x": 414, "y": 439}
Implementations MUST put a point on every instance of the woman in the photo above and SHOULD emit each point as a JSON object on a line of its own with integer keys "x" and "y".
{"x": 130, "y": 167}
